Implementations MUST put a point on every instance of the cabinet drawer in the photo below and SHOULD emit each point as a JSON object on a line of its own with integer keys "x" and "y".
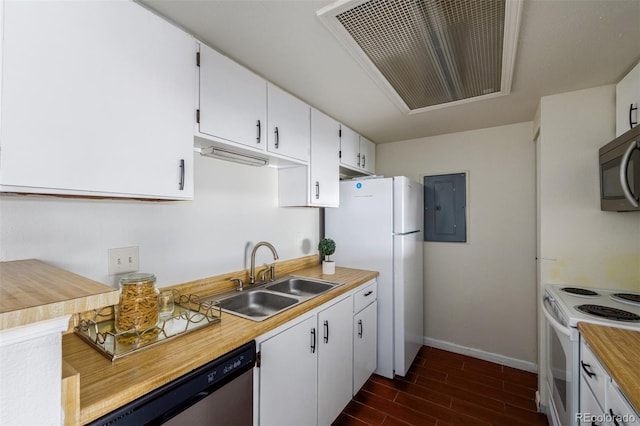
{"x": 592, "y": 372}
{"x": 362, "y": 298}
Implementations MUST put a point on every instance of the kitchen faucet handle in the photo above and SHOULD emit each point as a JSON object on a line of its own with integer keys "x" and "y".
{"x": 239, "y": 281}
{"x": 271, "y": 270}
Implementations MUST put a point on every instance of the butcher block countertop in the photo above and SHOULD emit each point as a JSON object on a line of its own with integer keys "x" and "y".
{"x": 105, "y": 386}
{"x": 33, "y": 291}
{"x": 619, "y": 351}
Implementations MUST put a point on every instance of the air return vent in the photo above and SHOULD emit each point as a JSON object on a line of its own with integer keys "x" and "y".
{"x": 429, "y": 54}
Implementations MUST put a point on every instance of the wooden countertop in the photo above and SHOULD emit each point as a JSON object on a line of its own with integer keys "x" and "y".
{"x": 619, "y": 351}
{"x": 105, "y": 386}
{"x": 32, "y": 291}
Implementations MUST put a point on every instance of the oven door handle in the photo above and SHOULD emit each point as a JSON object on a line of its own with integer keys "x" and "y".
{"x": 555, "y": 323}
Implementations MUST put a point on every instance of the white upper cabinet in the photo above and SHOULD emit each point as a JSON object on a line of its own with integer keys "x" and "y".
{"x": 325, "y": 164}
{"x": 349, "y": 147}
{"x": 367, "y": 155}
{"x": 97, "y": 99}
{"x": 628, "y": 101}
{"x": 357, "y": 153}
{"x": 318, "y": 184}
{"x": 288, "y": 121}
{"x": 233, "y": 101}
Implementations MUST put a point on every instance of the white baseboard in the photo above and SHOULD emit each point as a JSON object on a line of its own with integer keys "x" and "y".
{"x": 480, "y": 354}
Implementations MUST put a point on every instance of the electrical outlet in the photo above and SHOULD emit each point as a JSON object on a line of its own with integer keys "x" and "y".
{"x": 123, "y": 260}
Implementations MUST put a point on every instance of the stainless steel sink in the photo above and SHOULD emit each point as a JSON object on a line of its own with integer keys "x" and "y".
{"x": 300, "y": 287}
{"x": 267, "y": 299}
{"x": 257, "y": 305}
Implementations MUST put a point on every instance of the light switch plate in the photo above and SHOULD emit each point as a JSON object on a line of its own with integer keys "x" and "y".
{"x": 123, "y": 260}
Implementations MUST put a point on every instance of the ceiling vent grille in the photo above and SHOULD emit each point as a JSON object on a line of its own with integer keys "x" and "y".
{"x": 429, "y": 54}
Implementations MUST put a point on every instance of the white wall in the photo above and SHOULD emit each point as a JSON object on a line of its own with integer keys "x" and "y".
{"x": 579, "y": 243}
{"x": 235, "y": 206}
{"x": 480, "y": 295}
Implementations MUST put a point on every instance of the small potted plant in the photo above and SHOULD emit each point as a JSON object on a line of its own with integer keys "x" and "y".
{"x": 327, "y": 247}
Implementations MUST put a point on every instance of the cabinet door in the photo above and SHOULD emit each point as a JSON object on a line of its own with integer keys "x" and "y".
{"x": 325, "y": 166}
{"x": 288, "y": 376}
{"x": 588, "y": 404}
{"x": 97, "y": 98}
{"x": 334, "y": 360}
{"x": 349, "y": 147}
{"x": 628, "y": 101}
{"x": 233, "y": 101}
{"x": 289, "y": 127}
{"x": 365, "y": 343}
{"x": 621, "y": 412}
{"x": 367, "y": 155}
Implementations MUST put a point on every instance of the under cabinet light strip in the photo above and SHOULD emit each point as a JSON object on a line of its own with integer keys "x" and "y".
{"x": 236, "y": 157}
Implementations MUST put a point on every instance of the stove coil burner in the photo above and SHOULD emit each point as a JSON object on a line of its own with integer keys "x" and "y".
{"x": 579, "y": 291}
{"x": 633, "y": 298}
{"x": 609, "y": 313}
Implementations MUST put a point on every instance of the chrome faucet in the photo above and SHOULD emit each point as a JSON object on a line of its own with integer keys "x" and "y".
{"x": 252, "y": 272}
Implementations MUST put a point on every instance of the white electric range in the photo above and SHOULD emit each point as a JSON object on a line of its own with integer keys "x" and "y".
{"x": 615, "y": 308}
{"x": 564, "y": 307}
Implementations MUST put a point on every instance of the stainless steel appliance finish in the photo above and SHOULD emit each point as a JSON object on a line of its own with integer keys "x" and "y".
{"x": 620, "y": 173}
{"x": 563, "y": 308}
{"x": 218, "y": 393}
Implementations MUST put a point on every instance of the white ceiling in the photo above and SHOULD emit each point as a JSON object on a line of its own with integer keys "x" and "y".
{"x": 564, "y": 45}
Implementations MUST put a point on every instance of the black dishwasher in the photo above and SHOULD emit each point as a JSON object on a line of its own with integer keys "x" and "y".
{"x": 218, "y": 393}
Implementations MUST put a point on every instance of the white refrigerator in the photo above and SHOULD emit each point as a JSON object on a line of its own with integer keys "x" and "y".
{"x": 378, "y": 226}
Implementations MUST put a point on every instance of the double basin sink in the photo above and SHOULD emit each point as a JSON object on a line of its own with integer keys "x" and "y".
{"x": 266, "y": 300}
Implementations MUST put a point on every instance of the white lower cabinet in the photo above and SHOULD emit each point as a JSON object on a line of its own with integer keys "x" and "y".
{"x": 601, "y": 402}
{"x": 306, "y": 367}
{"x": 334, "y": 360}
{"x": 619, "y": 410}
{"x": 365, "y": 342}
{"x": 592, "y": 388}
{"x": 288, "y": 376}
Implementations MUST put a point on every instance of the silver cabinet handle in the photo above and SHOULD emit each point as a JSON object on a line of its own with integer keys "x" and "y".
{"x": 633, "y": 199}
{"x": 277, "y": 135}
{"x": 181, "y": 182}
{"x": 317, "y": 190}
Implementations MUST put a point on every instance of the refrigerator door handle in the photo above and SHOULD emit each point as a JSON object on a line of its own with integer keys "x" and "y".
{"x": 407, "y": 233}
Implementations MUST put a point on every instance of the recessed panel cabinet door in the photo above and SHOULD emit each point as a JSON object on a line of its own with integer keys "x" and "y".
{"x": 349, "y": 147}
{"x": 335, "y": 356}
{"x": 233, "y": 101}
{"x": 367, "y": 155}
{"x": 325, "y": 164}
{"x": 289, "y": 129}
{"x": 628, "y": 101}
{"x": 364, "y": 345}
{"x": 97, "y": 98}
{"x": 288, "y": 376}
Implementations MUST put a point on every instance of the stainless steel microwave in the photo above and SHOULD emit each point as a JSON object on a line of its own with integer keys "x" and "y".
{"x": 620, "y": 173}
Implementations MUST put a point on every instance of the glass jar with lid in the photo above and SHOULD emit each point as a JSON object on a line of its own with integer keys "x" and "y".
{"x": 137, "y": 310}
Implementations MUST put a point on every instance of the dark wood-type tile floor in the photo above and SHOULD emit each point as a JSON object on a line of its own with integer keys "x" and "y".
{"x": 445, "y": 388}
